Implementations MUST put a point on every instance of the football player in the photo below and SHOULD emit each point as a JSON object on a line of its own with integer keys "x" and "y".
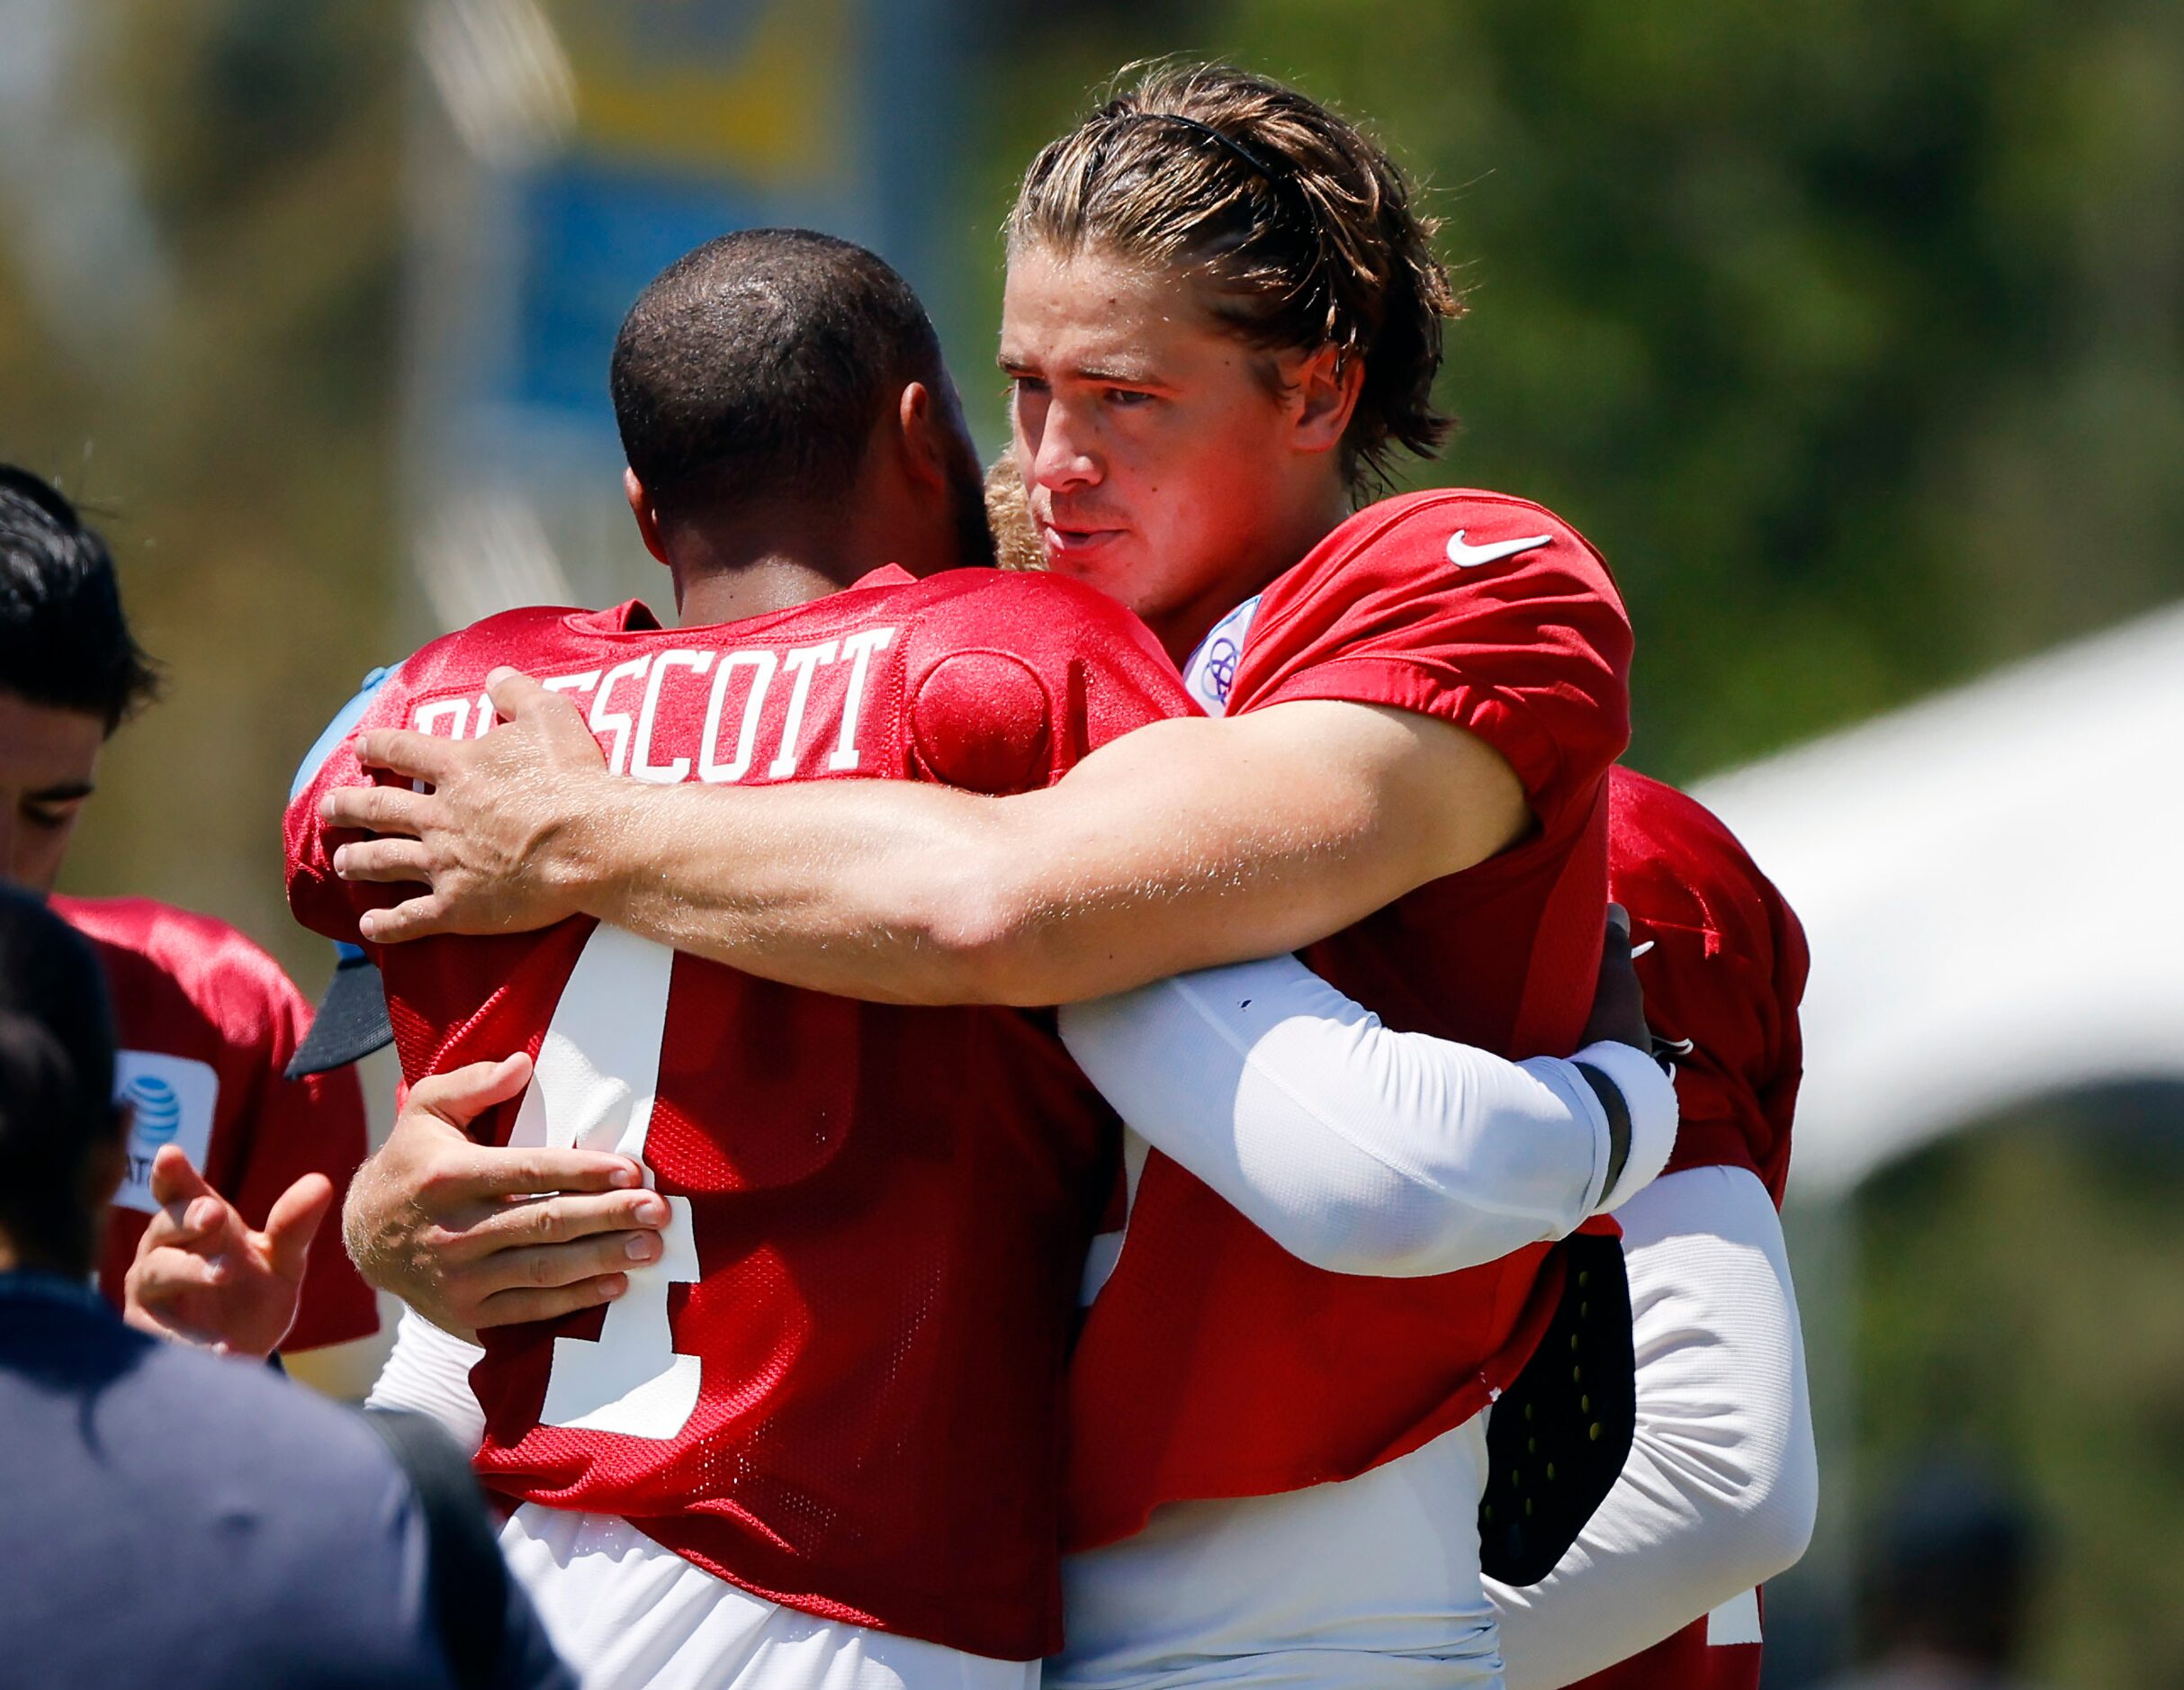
{"x": 1222, "y": 315}
{"x": 1721, "y": 1475}
{"x": 881, "y": 1214}
{"x": 1721, "y": 1402}
{"x": 208, "y": 1022}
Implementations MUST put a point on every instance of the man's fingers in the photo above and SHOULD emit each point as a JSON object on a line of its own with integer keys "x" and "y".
{"x": 533, "y": 1169}
{"x": 568, "y": 1215}
{"x": 377, "y": 809}
{"x": 210, "y": 1227}
{"x": 461, "y": 1095}
{"x": 160, "y": 1277}
{"x": 387, "y": 861}
{"x": 169, "y": 1229}
{"x": 175, "y": 1180}
{"x": 294, "y": 1221}
{"x": 552, "y": 1266}
{"x": 1618, "y": 1002}
{"x": 519, "y": 698}
{"x": 417, "y": 918}
{"x": 418, "y": 756}
{"x": 514, "y": 693}
{"x": 510, "y": 1307}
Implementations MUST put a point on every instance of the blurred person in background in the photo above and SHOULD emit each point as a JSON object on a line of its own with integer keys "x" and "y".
{"x": 1221, "y": 315}
{"x": 208, "y": 1022}
{"x": 1951, "y": 1585}
{"x": 172, "y": 1518}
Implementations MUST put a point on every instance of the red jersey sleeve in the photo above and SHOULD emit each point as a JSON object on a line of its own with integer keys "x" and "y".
{"x": 1012, "y": 683}
{"x": 1722, "y": 960}
{"x": 1486, "y": 612}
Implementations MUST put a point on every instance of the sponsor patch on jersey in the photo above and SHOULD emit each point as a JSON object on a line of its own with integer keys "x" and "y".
{"x": 171, "y": 1101}
{"x": 1211, "y": 672}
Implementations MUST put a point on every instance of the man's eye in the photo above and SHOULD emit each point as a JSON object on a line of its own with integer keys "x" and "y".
{"x": 49, "y": 815}
{"x": 1129, "y": 397}
{"x": 1026, "y": 384}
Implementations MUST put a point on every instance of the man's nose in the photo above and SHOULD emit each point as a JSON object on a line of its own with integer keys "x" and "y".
{"x": 1066, "y": 454}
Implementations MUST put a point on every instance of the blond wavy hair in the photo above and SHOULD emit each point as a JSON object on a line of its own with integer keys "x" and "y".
{"x": 1298, "y": 226}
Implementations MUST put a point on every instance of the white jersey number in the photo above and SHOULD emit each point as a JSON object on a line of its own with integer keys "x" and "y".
{"x": 598, "y": 1073}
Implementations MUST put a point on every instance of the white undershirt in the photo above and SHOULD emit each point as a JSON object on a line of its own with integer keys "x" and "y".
{"x": 1356, "y": 1147}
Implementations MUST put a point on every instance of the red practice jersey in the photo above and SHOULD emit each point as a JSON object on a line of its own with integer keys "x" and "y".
{"x": 1722, "y": 960}
{"x": 206, "y": 1023}
{"x": 1213, "y": 1363}
{"x": 841, "y": 1388}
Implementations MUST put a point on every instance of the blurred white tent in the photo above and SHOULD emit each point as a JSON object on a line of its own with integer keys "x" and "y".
{"x": 1989, "y": 880}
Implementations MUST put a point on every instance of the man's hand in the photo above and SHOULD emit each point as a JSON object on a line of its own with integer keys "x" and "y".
{"x": 204, "y": 1276}
{"x": 1619, "y": 1002}
{"x": 473, "y": 1236}
{"x": 1619, "y": 1014}
{"x": 489, "y": 841}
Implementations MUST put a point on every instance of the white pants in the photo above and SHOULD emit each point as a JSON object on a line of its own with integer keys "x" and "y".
{"x": 626, "y": 1613}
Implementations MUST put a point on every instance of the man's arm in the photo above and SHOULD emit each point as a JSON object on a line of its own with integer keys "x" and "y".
{"x": 1185, "y": 844}
{"x": 1361, "y": 1150}
{"x": 1720, "y": 1489}
{"x": 427, "y": 1372}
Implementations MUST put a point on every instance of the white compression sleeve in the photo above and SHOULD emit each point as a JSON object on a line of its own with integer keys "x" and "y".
{"x": 1719, "y": 1492}
{"x": 1355, "y": 1147}
{"x": 428, "y": 1371}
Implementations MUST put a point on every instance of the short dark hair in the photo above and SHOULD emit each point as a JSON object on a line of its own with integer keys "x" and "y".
{"x": 63, "y": 638}
{"x": 57, "y": 1071}
{"x": 756, "y": 367}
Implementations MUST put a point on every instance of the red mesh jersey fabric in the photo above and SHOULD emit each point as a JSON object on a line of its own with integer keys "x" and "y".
{"x": 888, "y": 1206}
{"x": 1724, "y": 975}
{"x": 1212, "y": 1365}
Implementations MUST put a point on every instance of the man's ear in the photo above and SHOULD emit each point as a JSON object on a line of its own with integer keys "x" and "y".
{"x": 1323, "y": 388}
{"x": 648, "y": 520}
{"x": 919, "y": 419}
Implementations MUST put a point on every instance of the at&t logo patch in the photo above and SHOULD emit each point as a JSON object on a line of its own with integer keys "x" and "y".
{"x": 171, "y": 1101}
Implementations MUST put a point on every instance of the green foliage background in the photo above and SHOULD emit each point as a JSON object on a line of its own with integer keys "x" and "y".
{"x": 1848, "y": 329}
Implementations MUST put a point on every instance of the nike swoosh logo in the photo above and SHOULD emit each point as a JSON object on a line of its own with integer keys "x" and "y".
{"x": 1639, "y": 950}
{"x": 1470, "y": 557}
